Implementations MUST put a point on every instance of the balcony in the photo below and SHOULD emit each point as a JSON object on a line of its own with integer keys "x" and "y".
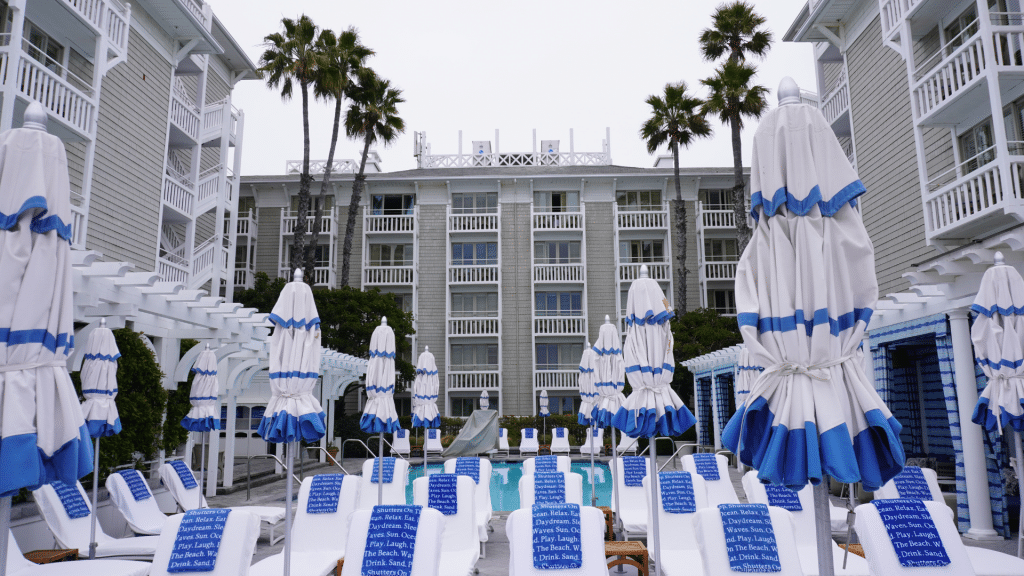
{"x": 322, "y": 275}
{"x": 373, "y": 223}
{"x": 572, "y": 221}
{"x": 246, "y": 225}
{"x": 558, "y": 273}
{"x": 475, "y": 380}
{"x": 67, "y": 98}
{"x": 473, "y": 222}
{"x": 715, "y": 219}
{"x": 215, "y": 117}
{"x": 173, "y": 268}
{"x": 474, "y": 327}
{"x": 640, "y": 219}
{"x": 178, "y": 193}
{"x": 473, "y": 274}
{"x": 661, "y": 271}
{"x": 893, "y": 12}
{"x": 514, "y": 159}
{"x": 835, "y": 106}
{"x": 244, "y": 278}
{"x": 718, "y": 271}
{"x": 556, "y": 379}
{"x": 985, "y": 200}
{"x": 939, "y": 94}
{"x": 560, "y": 326}
{"x": 388, "y": 275}
{"x": 211, "y": 181}
{"x": 184, "y": 116}
{"x": 328, "y": 223}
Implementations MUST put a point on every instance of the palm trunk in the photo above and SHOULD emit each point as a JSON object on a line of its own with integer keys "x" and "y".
{"x": 739, "y": 199}
{"x": 680, "y": 212}
{"x": 310, "y": 263}
{"x": 304, "y": 181}
{"x": 353, "y": 208}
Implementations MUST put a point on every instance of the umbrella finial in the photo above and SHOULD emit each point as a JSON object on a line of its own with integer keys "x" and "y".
{"x": 297, "y": 277}
{"x": 383, "y": 320}
{"x": 643, "y": 271}
{"x": 35, "y": 117}
{"x": 207, "y": 345}
{"x": 607, "y": 319}
{"x": 426, "y": 348}
{"x": 588, "y": 344}
{"x": 789, "y": 92}
{"x": 999, "y": 259}
{"x": 103, "y": 322}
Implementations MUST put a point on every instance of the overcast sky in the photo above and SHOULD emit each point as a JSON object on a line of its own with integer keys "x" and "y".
{"x": 511, "y": 66}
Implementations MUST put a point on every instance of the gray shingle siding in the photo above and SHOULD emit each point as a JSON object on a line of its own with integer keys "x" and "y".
{"x": 517, "y": 309}
{"x": 600, "y": 287}
{"x": 432, "y": 294}
{"x": 269, "y": 245}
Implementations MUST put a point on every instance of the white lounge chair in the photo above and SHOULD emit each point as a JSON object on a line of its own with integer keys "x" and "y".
{"x": 563, "y": 464}
{"x": 529, "y": 445}
{"x": 720, "y": 491}
{"x": 237, "y": 545}
{"x": 482, "y": 501}
{"x": 710, "y": 535}
{"x": 394, "y": 491}
{"x": 426, "y": 556}
{"x": 986, "y": 562}
{"x": 18, "y": 565}
{"x": 318, "y": 538}
{"x": 679, "y": 553}
{"x": 803, "y": 523}
{"x": 400, "y": 442}
{"x": 432, "y": 444}
{"x": 594, "y": 442}
{"x": 74, "y": 532}
{"x": 572, "y": 484}
{"x": 138, "y": 506}
{"x": 503, "y": 448}
{"x": 560, "y": 444}
{"x": 459, "y": 549}
{"x": 881, "y": 554}
{"x": 189, "y": 498}
{"x": 519, "y": 528}
{"x": 632, "y": 500}
{"x": 627, "y": 445}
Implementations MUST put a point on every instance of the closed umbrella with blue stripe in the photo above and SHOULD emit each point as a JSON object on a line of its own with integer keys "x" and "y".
{"x": 805, "y": 289}
{"x": 379, "y": 414}
{"x": 424, "y": 396}
{"x": 203, "y": 416}
{"x": 544, "y": 411}
{"x": 43, "y": 436}
{"x": 293, "y": 413}
{"x": 609, "y": 380}
{"x": 588, "y": 406}
{"x": 99, "y": 386}
{"x": 998, "y": 337}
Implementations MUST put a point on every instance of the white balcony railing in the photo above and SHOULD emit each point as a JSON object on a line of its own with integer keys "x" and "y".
{"x": 656, "y": 270}
{"x": 474, "y": 327}
{"x": 388, "y": 275}
{"x": 720, "y": 270}
{"x": 209, "y": 184}
{"x": 893, "y": 12}
{"x": 246, "y": 223}
{"x": 320, "y": 166}
{"x": 949, "y": 79}
{"x": 322, "y": 275}
{"x": 969, "y": 197}
{"x": 476, "y": 380}
{"x": 34, "y": 81}
{"x": 205, "y": 255}
{"x": 557, "y": 326}
{"x": 328, "y": 222}
{"x": 77, "y": 226}
{"x": 473, "y": 222}
{"x": 558, "y": 273}
{"x": 185, "y": 115}
{"x": 213, "y": 119}
{"x": 178, "y": 195}
{"x": 515, "y": 159}
{"x": 557, "y": 221}
{"x": 720, "y": 219}
{"x": 472, "y": 274}
{"x": 641, "y": 220}
{"x": 197, "y": 10}
{"x": 172, "y": 271}
{"x": 389, "y": 223}
{"x": 838, "y": 101}
{"x": 244, "y": 278}
{"x": 117, "y": 26}
{"x": 556, "y": 379}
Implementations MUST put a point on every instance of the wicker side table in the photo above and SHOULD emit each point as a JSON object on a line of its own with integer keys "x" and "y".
{"x": 609, "y": 533}
{"x": 51, "y": 556}
{"x": 624, "y": 550}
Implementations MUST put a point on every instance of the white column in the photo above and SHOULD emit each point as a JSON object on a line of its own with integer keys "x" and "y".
{"x": 978, "y": 502}
{"x": 229, "y": 442}
{"x": 212, "y": 459}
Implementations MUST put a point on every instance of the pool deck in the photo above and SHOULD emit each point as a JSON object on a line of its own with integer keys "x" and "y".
{"x": 496, "y": 562}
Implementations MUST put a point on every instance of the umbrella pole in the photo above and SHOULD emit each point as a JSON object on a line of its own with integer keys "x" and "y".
{"x": 823, "y": 529}
{"x": 1020, "y": 474}
{"x": 290, "y": 452}
{"x": 380, "y": 468}
{"x": 202, "y": 467}
{"x": 593, "y": 481}
{"x": 95, "y": 498}
{"x": 5, "y": 528}
{"x": 655, "y": 536}
{"x": 615, "y": 486}
{"x": 424, "y": 453}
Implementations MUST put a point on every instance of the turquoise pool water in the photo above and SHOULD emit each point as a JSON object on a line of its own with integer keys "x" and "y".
{"x": 505, "y": 482}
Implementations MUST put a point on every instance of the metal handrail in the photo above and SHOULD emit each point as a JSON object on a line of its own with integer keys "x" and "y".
{"x": 248, "y": 472}
{"x": 678, "y": 450}
{"x": 357, "y": 441}
{"x": 336, "y": 463}
{"x": 380, "y": 438}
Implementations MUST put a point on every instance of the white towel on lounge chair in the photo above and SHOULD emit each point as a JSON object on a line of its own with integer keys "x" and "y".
{"x": 720, "y": 491}
{"x": 426, "y": 551}
{"x": 400, "y": 443}
{"x": 573, "y": 486}
{"x": 593, "y": 443}
{"x": 482, "y": 500}
{"x": 560, "y": 445}
{"x": 881, "y": 555}
{"x": 237, "y": 545}
{"x": 394, "y": 491}
{"x": 459, "y": 548}
{"x": 503, "y": 440}
{"x": 519, "y": 528}
{"x": 679, "y": 553}
{"x": 74, "y": 532}
{"x": 432, "y": 442}
{"x": 529, "y": 445}
{"x": 632, "y": 500}
{"x": 803, "y": 524}
{"x": 710, "y": 534}
{"x": 18, "y": 565}
{"x": 318, "y": 539}
{"x": 143, "y": 516}
{"x": 530, "y": 464}
{"x": 627, "y": 445}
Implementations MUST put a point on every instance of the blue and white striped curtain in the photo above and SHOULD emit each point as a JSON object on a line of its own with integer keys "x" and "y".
{"x": 723, "y": 392}
{"x": 702, "y": 399}
{"x": 997, "y": 457}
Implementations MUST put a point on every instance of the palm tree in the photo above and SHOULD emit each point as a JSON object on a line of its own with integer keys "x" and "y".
{"x": 732, "y": 98}
{"x": 343, "y": 56}
{"x": 372, "y": 116}
{"x": 737, "y": 31}
{"x": 676, "y": 120}
{"x": 291, "y": 58}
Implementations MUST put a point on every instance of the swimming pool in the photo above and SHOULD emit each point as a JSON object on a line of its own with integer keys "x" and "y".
{"x": 505, "y": 482}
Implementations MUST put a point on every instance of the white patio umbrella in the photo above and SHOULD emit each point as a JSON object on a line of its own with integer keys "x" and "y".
{"x": 998, "y": 337}
{"x": 589, "y": 399}
{"x": 805, "y": 289}
{"x": 544, "y": 411}
{"x": 610, "y": 379}
{"x": 293, "y": 413}
{"x": 379, "y": 414}
{"x": 99, "y": 386}
{"x": 42, "y": 431}
{"x": 485, "y": 400}
{"x": 653, "y": 408}
{"x": 203, "y": 417}
{"x": 424, "y": 396}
